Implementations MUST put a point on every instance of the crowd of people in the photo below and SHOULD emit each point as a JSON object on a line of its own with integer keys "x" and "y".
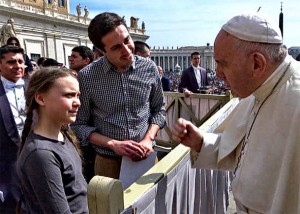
{"x": 59, "y": 127}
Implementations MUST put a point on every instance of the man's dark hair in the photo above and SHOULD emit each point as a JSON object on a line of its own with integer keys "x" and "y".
{"x": 101, "y": 25}
{"x": 84, "y": 52}
{"x": 51, "y": 62}
{"x": 195, "y": 53}
{"x": 41, "y": 60}
{"x": 10, "y": 49}
{"x": 140, "y": 46}
{"x": 298, "y": 57}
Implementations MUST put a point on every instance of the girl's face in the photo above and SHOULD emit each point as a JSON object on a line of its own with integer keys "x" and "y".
{"x": 61, "y": 102}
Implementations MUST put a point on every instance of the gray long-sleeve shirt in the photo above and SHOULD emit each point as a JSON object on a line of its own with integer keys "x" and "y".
{"x": 51, "y": 176}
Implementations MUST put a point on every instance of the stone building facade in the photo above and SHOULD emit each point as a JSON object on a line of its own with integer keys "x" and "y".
{"x": 46, "y": 27}
{"x": 178, "y": 59}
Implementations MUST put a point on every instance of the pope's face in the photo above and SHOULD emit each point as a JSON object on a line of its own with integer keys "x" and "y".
{"x": 232, "y": 65}
{"x": 119, "y": 48}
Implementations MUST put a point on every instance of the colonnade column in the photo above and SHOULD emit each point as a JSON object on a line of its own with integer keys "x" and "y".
{"x": 187, "y": 63}
{"x": 181, "y": 62}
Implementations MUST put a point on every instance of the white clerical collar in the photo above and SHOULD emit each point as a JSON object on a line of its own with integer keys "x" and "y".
{"x": 285, "y": 62}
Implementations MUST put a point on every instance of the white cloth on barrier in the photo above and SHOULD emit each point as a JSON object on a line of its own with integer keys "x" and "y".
{"x": 182, "y": 191}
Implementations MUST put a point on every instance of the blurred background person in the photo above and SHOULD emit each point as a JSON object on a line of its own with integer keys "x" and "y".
{"x": 14, "y": 41}
{"x": 40, "y": 61}
{"x": 165, "y": 81}
{"x": 194, "y": 77}
{"x": 27, "y": 77}
{"x": 35, "y": 67}
{"x": 142, "y": 49}
{"x": 81, "y": 56}
{"x": 49, "y": 62}
{"x": 97, "y": 53}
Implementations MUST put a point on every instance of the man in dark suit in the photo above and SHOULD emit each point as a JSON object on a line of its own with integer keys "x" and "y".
{"x": 194, "y": 77}
{"x": 165, "y": 81}
{"x": 12, "y": 118}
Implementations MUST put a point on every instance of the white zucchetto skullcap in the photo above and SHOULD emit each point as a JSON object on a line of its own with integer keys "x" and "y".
{"x": 253, "y": 27}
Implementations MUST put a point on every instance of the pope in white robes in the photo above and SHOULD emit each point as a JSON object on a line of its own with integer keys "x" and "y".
{"x": 260, "y": 139}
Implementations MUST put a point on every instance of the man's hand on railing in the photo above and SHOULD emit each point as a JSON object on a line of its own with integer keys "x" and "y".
{"x": 187, "y": 92}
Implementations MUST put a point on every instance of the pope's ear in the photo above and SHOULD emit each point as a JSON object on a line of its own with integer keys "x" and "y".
{"x": 259, "y": 64}
{"x": 39, "y": 99}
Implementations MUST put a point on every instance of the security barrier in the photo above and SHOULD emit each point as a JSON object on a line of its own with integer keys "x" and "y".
{"x": 171, "y": 186}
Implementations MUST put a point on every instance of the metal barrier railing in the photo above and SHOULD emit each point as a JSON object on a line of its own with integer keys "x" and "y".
{"x": 105, "y": 194}
{"x": 197, "y": 108}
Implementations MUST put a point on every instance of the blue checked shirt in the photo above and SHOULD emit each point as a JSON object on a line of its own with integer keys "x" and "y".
{"x": 119, "y": 105}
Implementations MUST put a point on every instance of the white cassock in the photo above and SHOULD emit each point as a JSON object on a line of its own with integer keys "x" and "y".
{"x": 267, "y": 176}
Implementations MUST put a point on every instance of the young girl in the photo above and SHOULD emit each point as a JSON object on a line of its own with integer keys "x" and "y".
{"x": 49, "y": 164}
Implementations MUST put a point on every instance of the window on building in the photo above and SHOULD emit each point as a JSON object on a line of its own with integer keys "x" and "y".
{"x": 62, "y": 3}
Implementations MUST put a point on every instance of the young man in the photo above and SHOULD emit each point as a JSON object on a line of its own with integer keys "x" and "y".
{"x": 81, "y": 56}
{"x": 194, "y": 77}
{"x": 260, "y": 140}
{"x": 122, "y": 103}
{"x": 142, "y": 49}
{"x": 12, "y": 118}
